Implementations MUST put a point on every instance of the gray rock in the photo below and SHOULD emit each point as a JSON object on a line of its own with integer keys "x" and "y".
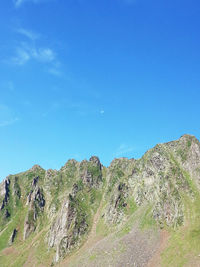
{"x": 12, "y": 237}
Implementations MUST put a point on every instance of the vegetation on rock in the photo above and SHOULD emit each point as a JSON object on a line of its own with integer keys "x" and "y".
{"x": 49, "y": 215}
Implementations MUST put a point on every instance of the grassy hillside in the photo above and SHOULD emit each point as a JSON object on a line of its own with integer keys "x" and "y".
{"x": 133, "y": 213}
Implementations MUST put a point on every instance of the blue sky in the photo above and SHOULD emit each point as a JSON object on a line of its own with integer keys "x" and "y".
{"x": 84, "y": 77}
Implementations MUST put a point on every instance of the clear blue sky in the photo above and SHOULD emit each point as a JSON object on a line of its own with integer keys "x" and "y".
{"x": 84, "y": 77}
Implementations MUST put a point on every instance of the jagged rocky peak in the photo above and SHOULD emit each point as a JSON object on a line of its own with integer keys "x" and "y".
{"x": 188, "y": 137}
{"x": 70, "y": 162}
{"x": 91, "y": 172}
{"x": 70, "y": 166}
{"x": 68, "y": 199}
{"x": 36, "y": 168}
{"x": 95, "y": 160}
{"x": 185, "y": 142}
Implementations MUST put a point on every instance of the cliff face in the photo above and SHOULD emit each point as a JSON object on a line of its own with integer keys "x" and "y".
{"x": 159, "y": 178}
{"x": 59, "y": 207}
{"x": 73, "y": 220}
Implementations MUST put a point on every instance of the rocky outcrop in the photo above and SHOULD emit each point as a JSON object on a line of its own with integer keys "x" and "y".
{"x": 91, "y": 172}
{"x": 190, "y": 156}
{"x": 118, "y": 203}
{"x": 36, "y": 203}
{"x": 68, "y": 228}
{"x": 72, "y": 220}
{"x": 157, "y": 179}
{"x": 69, "y": 198}
{"x": 6, "y": 193}
{"x": 16, "y": 188}
{"x": 36, "y": 199}
{"x": 6, "y": 214}
{"x": 12, "y": 237}
{"x": 58, "y": 236}
{"x": 36, "y": 168}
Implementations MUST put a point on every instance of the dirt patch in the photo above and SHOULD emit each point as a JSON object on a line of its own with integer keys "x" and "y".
{"x": 133, "y": 249}
{"x": 118, "y": 249}
{"x": 8, "y": 251}
{"x": 194, "y": 262}
{"x": 156, "y": 259}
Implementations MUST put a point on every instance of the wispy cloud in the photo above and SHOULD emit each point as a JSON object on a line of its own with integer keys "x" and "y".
{"x": 27, "y": 33}
{"x": 30, "y": 50}
{"x": 18, "y": 3}
{"x": 22, "y": 56}
{"x": 55, "y": 71}
{"x": 26, "y": 52}
{"x": 43, "y": 54}
{"x": 7, "y": 116}
{"x": 123, "y": 150}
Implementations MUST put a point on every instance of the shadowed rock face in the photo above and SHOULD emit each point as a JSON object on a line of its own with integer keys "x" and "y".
{"x": 16, "y": 188}
{"x": 64, "y": 202}
{"x": 12, "y": 237}
{"x": 6, "y": 214}
{"x": 36, "y": 203}
{"x": 6, "y": 193}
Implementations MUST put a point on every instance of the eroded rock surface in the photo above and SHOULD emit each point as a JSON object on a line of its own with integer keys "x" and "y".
{"x": 5, "y": 193}
{"x": 36, "y": 203}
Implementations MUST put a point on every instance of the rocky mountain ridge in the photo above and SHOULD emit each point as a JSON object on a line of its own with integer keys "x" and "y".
{"x": 53, "y": 211}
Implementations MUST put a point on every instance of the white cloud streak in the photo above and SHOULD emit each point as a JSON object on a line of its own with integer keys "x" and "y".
{"x": 25, "y": 53}
{"x": 27, "y": 33}
{"x": 18, "y": 3}
{"x": 30, "y": 50}
{"x": 22, "y": 57}
{"x": 43, "y": 54}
